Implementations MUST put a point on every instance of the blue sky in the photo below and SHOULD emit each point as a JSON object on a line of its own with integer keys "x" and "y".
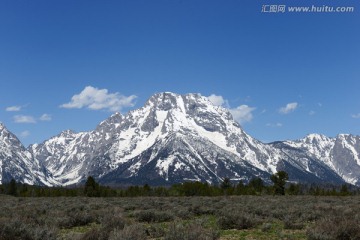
{"x": 283, "y": 75}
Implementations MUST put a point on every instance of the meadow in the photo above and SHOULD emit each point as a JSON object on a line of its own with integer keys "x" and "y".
{"x": 173, "y": 218}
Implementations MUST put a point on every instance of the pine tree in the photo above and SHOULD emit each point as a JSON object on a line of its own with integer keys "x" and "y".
{"x": 344, "y": 191}
{"x": 12, "y": 188}
{"x": 257, "y": 185}
{"x": 279, "y": 179}
{"x": 91, "y": 188}
{"x": 226, "y": 186}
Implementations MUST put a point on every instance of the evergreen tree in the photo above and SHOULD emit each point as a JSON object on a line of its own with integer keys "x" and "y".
{"x": 91, "y": 188}
{"x": 344, "y": 191}
{"x": 279, "y": 179}
{"x": 147, "y": 190}
{"x": 226, "y": 185}
{"x": 12, "y": 188}
{"x": 257, "y": 185}
{"x": 294, "y": 189}
{"x": 240, "y": 188}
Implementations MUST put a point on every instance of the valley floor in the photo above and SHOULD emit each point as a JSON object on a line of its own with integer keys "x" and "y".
{"x": 172, "y": 218}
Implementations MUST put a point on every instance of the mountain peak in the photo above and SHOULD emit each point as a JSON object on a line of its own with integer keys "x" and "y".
{"x": 116, "y": 114}
{"x": 315, "y": 138}
{"x": 2, "y": 126}
{"x": 67, "y": 132}
{"x": 163, "y": 101}
{"x": 189, "y": 104}
{"x": 344, "y": 136}
{"x": 113, "y": 120}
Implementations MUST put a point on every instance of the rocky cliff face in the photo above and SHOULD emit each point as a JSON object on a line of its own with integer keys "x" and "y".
{"x": 18, "y": 163}
{"x": 341, "y": 154}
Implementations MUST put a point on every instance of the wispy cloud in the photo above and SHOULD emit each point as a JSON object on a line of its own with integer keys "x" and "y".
{"x": 24, "y": 119}
{"x": 274, "y": 125}
{"x": 97, "y": 99}
{"x": 25, "y": 134}
{"x": 356, "y": 115}
{"x": 290, "y": 107}
{"x": 45, "y": 117}
{"x": 242, "y": 113}
{"x": 13, "y": 109}
{"x": 311, "y": 113}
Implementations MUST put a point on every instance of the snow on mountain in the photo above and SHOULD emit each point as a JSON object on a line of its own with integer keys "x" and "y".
{"x": 198, "y": 132}
{"x": 318, "y": 145}
{"x": 175, "y": 138}
{"x": 188, "y": 115}
{"x": 16, "y": 162}
{"x": 341, "y": 154}
{"x": 71, "y": 157}
{"x": 131, "y": 143}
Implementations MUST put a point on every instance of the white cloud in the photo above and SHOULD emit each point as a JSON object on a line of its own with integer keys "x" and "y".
{"x": 24, "y": 134}
{"x": 13, "y": 109}
{"x": 356, "y": 115}
{"x": 218, "y": 100}
{"x": 97, "y": 99}
{"x": 242, "y": 113}
{"x": 45, "y": 117}
{"x": 312, "y": 113}
{"x": 290, "y": 107}
{"x": 274, "y": 125}
{"x": 24, "y": 119}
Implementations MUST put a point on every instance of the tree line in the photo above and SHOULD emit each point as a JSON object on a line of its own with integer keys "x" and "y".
{"x": 256, "y": 186}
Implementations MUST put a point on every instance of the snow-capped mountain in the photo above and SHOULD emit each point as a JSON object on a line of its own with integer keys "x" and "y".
{"x": 18, "y": 163}
{"x": 71, "y": 157}
{"x": 172, "y": 138}
{"x": 175, "y": 138}
{"x": 341, "y": 154}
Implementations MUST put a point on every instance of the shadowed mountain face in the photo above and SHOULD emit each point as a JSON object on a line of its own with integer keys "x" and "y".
{"x": 171, "y": 139}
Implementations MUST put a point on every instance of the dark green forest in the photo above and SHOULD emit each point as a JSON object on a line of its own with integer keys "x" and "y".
{"x": 255, "y": 186}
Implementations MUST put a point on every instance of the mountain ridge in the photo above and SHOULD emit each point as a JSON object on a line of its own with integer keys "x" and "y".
{"x": 175, "y": 138}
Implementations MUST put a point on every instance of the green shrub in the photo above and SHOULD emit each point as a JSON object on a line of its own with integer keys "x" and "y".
{"x": 113, "y": 220}
{"x": 192, "y": 231}
{"x": 16, "y": 228}
{"x": 237, "y": 221}
{"x": 292, "y": 223}
{"x": 76, "y": 219}
{"x": 153, "y": 216}
{"x": 266, "y": 227}
{"x": 201, "y": 210}
{"x": 183, "y": 214}
{"x": 335, "y": 228}
{"x": 155, "y": 231}
{"x": 131, "y": 232}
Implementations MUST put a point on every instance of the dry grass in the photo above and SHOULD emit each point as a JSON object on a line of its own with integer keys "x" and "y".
{"x": 235, "y": 217}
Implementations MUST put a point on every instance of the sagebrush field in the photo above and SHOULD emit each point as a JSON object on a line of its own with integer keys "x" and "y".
{"x": 171, "y": 218}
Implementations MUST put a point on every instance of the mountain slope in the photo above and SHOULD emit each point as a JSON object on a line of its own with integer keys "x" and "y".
{"x": 175, "y": 138}
{"x": 341, "y": 154}
{"x": 17, "y": 163}
{"x": 182, "y": 128}
{"x": 71, "y": 157}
